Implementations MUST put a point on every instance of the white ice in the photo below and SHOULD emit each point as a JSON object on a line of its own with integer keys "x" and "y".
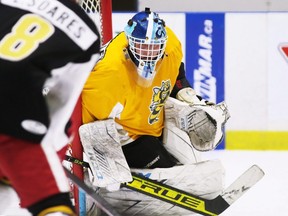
{"x": 268, "y": 197}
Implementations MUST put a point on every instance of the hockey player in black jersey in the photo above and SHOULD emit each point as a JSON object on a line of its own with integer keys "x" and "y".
{"x": 47, "y": 49}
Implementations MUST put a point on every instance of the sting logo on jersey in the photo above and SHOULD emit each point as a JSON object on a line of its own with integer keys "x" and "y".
{"x": 283, "y": 48}
{"x": 160, "y": 94}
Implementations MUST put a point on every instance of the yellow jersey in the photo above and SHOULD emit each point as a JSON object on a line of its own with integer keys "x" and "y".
{"x": 111, "y": 90}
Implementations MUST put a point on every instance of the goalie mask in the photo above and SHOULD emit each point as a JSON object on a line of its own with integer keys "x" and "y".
{"x": 147, "y": 40}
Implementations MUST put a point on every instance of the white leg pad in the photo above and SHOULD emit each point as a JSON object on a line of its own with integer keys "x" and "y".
{"x": 204, "y": 179}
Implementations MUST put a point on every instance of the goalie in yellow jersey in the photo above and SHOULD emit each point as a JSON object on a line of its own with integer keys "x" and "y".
{"x": 141, "y": 114}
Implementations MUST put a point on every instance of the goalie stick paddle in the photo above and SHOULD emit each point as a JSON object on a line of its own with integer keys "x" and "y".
{"x": 99, "y": 201}
{"x": 189, "y": 201}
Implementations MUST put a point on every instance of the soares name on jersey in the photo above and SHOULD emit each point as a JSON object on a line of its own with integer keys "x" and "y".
{"x": 61, "y": 16}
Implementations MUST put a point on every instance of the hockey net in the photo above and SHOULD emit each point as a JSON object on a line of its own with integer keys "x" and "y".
{"x": 100, "y": 11}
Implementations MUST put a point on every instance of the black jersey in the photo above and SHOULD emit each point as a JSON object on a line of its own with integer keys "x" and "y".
{"x": 47, "y": 49}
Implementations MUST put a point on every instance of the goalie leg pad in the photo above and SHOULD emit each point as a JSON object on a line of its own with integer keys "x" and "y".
{"x": 204, "y": 179}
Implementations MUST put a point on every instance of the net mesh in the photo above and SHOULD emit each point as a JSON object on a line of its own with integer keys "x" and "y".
{"x": 94, "y": 10}
{"x": 91, "y": 6}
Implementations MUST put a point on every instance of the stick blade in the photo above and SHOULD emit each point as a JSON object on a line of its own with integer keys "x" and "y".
{"x": 242, "y": 184}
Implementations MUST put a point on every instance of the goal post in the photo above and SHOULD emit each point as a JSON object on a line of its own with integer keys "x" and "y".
{"x": 100, "y": 12}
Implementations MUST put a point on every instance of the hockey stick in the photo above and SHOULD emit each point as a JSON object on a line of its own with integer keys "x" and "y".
{"x": 189, "y": 201}
{"x": 99, "y": 201}
{"x": 194, "y": 203}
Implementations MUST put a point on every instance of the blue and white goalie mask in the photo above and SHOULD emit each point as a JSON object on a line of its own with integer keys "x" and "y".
{"x": 147, "y": 39}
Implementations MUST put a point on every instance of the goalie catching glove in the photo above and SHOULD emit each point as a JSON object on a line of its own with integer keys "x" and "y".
{"x": 203, "y": 122}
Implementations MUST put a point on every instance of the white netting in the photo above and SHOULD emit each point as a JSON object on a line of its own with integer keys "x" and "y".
{"x": 90, "y": 5}
{"x": 93, "y": 9}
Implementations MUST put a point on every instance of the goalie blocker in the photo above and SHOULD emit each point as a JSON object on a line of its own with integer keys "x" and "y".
{"x": 101, "y": 144}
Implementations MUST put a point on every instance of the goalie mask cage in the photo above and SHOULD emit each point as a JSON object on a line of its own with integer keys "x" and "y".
{"x": 100, "y": 12}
